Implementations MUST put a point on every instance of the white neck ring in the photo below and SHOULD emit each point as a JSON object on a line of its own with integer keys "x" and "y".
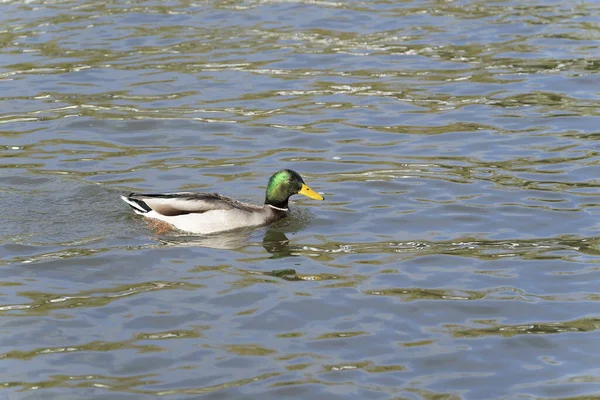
{"x": 278, "y": 208}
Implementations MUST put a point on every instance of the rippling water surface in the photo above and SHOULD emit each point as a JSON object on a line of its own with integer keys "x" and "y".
{"x": 457, "y": 252}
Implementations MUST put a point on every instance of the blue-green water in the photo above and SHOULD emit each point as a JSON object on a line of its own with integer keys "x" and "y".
{"x": 456, "y": 255}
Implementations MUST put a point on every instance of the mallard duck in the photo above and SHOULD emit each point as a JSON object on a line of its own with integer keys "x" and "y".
{"x": 205, "y": 213}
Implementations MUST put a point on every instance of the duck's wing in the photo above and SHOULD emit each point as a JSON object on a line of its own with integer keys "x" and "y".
{"x": 172, "y": 204}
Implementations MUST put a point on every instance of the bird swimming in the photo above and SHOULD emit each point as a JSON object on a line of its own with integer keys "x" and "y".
{"x": 205, "y": 213}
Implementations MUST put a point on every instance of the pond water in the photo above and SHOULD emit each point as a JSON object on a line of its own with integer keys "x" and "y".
{"x": 456, "y": 255}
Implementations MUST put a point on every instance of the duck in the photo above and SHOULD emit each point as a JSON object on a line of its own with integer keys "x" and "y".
{"x": 208, "y": 213}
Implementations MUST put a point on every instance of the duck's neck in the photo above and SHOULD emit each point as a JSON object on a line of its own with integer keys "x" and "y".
{"x": 277, "y": 205}
{"x": 284, "y": 210}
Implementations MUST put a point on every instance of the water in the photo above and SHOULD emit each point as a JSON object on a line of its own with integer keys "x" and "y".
{"x": 456, "y": 254}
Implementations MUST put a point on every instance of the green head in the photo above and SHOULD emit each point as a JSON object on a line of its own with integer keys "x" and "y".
{"x": 284, "y": 184}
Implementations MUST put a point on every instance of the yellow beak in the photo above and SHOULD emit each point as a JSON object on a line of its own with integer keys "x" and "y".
{"x": 308, "y": 192}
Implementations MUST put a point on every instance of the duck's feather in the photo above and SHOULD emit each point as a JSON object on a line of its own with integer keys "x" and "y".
{"x": 173, "y": 204}
{"x": 201, "y": 212}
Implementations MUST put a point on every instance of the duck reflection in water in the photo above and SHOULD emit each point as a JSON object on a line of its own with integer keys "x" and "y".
{"x": 274, "y": 242}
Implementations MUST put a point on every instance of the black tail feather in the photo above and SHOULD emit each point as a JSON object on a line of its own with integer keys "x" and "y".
{"x": 143, "y": 207}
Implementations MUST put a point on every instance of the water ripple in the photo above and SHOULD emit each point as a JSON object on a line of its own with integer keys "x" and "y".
{"x": 456, "y": 144}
